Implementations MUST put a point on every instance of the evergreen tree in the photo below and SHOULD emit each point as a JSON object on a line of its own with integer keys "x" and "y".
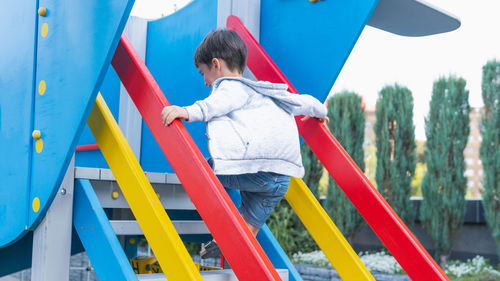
{"x": 395, "y": 140}
{"x": 490, "y": 147}
{"x": 444, "y": 184}
{"x": 347, "y": 124}
{"x": 313, "y": 169}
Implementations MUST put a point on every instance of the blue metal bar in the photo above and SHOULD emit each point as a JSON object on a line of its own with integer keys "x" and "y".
{"x": 276, "y": 253}
{"x": 97, "y": 236}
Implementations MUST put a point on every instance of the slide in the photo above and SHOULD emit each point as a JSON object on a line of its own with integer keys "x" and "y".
{"x": 391, "y": 230}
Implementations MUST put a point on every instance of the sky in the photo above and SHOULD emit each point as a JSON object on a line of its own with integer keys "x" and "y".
{"x": 380, "y": 58}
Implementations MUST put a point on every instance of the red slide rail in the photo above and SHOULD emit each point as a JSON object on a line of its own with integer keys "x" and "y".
{"x": 391, "y": 230}
{"x": 241, "y": 249}
{"x": 87, "y": 147}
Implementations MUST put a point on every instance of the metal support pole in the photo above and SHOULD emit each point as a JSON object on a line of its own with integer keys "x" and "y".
{"x": 129, "y": 119}
{"x": 52, "y": 238}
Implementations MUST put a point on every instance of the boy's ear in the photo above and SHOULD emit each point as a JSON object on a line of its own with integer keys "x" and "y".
{"x": 216, "y": 63}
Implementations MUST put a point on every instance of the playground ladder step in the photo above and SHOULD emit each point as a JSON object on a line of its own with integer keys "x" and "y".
{"x": 131, "y": 227}
{"x": 106, "y": 174}
{"x": 166, "y": 185}
{"x": 211, "y": 275}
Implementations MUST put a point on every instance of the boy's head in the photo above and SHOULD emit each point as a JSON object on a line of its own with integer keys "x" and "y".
{"x": 221, "y": 52}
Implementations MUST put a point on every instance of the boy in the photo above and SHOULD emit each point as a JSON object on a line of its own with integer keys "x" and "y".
{"x": 252, "y": 135}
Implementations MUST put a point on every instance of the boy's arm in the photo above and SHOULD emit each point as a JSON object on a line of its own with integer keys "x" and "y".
{"x": 309, "y": 106}
{"x": 222, "y": 101}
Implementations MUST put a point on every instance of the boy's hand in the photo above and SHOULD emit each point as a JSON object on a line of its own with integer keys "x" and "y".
{"x": 170, "y": 113}
{"x": 325, "y": 120}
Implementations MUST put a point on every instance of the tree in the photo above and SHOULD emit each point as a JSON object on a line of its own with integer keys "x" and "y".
{"x": 313, "y": 169}
{"x": 395, "y": 141}
{"x": 347, "y": 124}
{"x": 444, "y": 183}
{"x": 490, "y": 147}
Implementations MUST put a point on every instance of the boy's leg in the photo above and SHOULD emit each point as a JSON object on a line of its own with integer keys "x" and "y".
{"x": 232, "y": 182}
{"x": 253, "y": 229}
{"x": 260, "y": 193}
{"x": 211, "y": 249}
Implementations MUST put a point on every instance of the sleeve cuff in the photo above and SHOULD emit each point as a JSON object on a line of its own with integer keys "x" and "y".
{"x": 194, "y": 113}
{"x": 323, "y": 112}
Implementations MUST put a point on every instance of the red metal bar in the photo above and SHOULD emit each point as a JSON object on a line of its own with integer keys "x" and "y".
{"x": 398, "y": 239}
{"x": 87, "y": 147}
{"x": 240, "y": 248}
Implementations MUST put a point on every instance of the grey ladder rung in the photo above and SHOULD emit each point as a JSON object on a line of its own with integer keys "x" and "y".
{"x": 131, "y": 227}
{"x": 172, "y": 196}
{"x": 106, "y": 174}
{"x": 209, "y": 275}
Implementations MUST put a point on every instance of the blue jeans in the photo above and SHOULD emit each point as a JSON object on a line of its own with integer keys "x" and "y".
{"x": 260, "y": 193}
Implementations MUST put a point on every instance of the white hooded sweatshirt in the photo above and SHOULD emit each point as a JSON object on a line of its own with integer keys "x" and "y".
{"x": 251, "y": 126}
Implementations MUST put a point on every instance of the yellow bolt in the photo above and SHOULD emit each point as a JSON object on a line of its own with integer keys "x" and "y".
{"x": 42, "y": 12}
{"x": 131, "y": 241}
{"x": 39, "y": 145}
{"x": 115, "y": 194}
{"x": 36, "y": 205}
{"x": 45, "y": 29}
{"x": 36, "y": 134}
{"x": 41, "y": 87}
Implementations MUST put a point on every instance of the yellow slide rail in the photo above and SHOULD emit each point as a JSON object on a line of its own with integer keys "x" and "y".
{"x": 328, "y": 237}
{"x": 142, "y": 199}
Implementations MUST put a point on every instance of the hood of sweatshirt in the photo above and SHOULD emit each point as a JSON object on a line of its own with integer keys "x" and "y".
{"x": 277, "y": 91}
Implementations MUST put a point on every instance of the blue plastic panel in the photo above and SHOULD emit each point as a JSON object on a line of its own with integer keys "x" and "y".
{"x": 72, "y": 58}
{"x": 17, "y": 51}
{"x": 97, "y": 236}
{"x": 171, "y": 43}
{"x": 310, "y": 42}
{"x": 17, "y": 256}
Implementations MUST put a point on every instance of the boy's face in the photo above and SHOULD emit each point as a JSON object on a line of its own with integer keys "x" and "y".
{"x": 210, "y": 74}
{"x": 217, "y": 70}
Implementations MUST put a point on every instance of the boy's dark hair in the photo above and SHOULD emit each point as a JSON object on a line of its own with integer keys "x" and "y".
{"x": 223, "y": 44}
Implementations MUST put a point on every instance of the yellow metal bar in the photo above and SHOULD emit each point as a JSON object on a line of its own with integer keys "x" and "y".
{"x": 143, "y": 201}
{"x": 336, "y": 248}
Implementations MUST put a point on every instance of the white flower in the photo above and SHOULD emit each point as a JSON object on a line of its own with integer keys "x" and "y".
{"x": 476, "y": 265}
{"x": 385, "y": 263}
{"x": 380, "y": 262}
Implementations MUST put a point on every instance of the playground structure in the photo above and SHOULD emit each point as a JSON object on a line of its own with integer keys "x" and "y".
{"x": 56, "y": 62}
